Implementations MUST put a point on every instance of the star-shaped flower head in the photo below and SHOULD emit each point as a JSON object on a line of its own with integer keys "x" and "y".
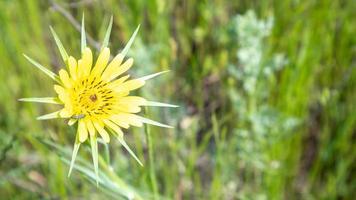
{"x": 96, "y": 95}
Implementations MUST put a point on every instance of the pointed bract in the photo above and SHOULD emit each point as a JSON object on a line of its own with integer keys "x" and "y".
{"x": 53, "y": 115}
{"x": 159, "y": 104}
{"x": 145, "y": 78}
{"x": 123, "y": 143}
{"x": 83, "y": 43}
{"x": 129, "y": 43}
{"x": 43, "y": 69}
{"x": 50, "y": 100}
{"x": 59, "y": 45}
{"x": 107, "y": 34}
{"x": 149, "y": 121}
{"x": 74, "y": 155}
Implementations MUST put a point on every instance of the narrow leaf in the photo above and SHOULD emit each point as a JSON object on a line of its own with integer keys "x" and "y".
{"x": 51, "y": 100}
{"x": 107, "y": 34}
{"x": 42, "y": 68}
{"x": 159, "y": 104}
{"x": 145, "y": 78}
{"x": 121, "y": 188}
{"x": 84, "y": 169}
{"x": 123, "y": 143}
{"x": 74, "y": 156}
{"x": 49, "y": 116}
{"x": 129, "y": 43}
{"x": 83, "y": 36}
{"x": 59, "y": 45}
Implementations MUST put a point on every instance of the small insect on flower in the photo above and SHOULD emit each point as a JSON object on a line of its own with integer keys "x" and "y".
{"x": 80, "y": 116}
{"x": 97, "y": 96}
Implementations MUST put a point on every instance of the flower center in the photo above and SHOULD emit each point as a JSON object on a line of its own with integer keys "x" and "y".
{"x": 91, "y": 97}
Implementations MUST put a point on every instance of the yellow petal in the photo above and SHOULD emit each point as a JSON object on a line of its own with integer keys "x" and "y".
{"x": 65, "y": 113}
{"x": 80, "y": 69}
{"x": 119, "y": 120}
{"x": 118, "y": 82}
{"x": 63, "y": 75}
{"x": 87, "y": 61}
{"x": 82, "y": 131}
{"x": 129, "y": 85}
{"x": 132, "y": 100}
{"x": 72, "y": 63}
{"x": 114, "y": 127}
{"x": 121, "y": 93}
{"x": 102, "y": 132}
{"x": 127, "y": 108}
{"x": 59, "y": 89}
{"x": 114, "y": 70}
{"x": 123, "y": 68}
{"x": 90, "y": 127}
{"x": 130, "y": 119}
{"x": 62, "y": 94}
{"x": 114, "y": 64}
{"x": 130, "y": 104}
{"x": 102, "y": 61}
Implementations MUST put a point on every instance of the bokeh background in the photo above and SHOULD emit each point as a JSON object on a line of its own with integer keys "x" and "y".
{"x": 266, "y": 91}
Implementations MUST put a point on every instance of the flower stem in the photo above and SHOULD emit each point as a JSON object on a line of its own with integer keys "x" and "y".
{"x": 151, "y": 162}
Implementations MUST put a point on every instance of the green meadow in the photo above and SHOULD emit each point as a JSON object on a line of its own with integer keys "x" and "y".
{"x": 266, "y": 93}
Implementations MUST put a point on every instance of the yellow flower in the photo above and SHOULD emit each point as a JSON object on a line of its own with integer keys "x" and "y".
{"x": 96, "y": 95}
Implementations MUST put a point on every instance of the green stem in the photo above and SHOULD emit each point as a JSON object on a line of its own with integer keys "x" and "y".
{"x": 151, "y": 162}
{"x": 115, "y": 178}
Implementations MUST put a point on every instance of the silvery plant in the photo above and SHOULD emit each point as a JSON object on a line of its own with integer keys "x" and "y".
{"x": 259, "y": 123}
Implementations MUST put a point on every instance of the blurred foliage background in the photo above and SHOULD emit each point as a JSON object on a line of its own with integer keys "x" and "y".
{"x": 266, "y": 92}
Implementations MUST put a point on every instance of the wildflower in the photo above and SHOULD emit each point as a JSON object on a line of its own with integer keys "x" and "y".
{"x": 96, "y": 95}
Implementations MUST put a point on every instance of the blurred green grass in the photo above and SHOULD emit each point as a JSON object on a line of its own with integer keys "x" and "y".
{"x": 202, "y": 158}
